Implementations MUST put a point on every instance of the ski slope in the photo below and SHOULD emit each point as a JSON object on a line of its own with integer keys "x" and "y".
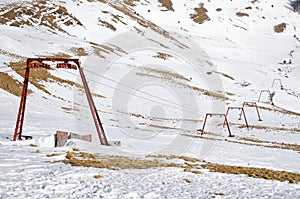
{"x": 154, "y": 73}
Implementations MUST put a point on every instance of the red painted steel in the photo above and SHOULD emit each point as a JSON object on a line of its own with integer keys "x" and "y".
{"x": 252, "y": 104}
{"x": 220, "y": 115}
{"x": 21, "y": 113}
{"x": 38, "y": 63}
{"x": 87, "y": 138}
{"x": 242, "y": 113}
{"x": 61, "y": 138}
{"x": 95, "y": 115}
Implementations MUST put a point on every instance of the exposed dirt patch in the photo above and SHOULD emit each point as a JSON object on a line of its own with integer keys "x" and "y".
{"x": 164, "y": 56}
{"x": 170, "y": 157}
{"x": 162, "y": 74}
{"x": 129, "y": 12}
{"x": 38, "y": 13}
{"x": 79, "y": 52}
{"x": 11, "y": 85}
{"x": 278, "y": 109}
{"x": 4, "y": 52}
{"x": 167, "y": 4}
{"x": 219, "y": 9}
{"x": 225, "y": 75}
{"x": 242, "y": 14}
{"x": 293, "y": 147}
{"x": 112, "y": 162}
{"x": 53, "y": 154}
{"x": 280, "y": 27}
{"x": 130, "y": 2}
{"x": 97, "y": 176}
{"x": 200, "y": 16}
{"x": 251, "y": 142}
{"x": 193, "y": 165}
{"x": 292, "y": 130}
{"x": 254, "y": 172}
{"x": 106, "y": 24}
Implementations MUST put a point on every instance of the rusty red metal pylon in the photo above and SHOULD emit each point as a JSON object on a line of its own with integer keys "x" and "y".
{"x": 38, "y": 63}
{"x": 252, "y": 104}
{"x": 220, "y": 115}
{"x": 242, "y": 113}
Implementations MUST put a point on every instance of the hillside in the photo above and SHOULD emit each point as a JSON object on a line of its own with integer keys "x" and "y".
{"x": 155, "y": 69}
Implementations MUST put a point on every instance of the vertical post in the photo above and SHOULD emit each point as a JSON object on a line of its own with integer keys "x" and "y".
{"x": 259, "y": 118}
{"x": 202, "y": 132}
{"x": 226, "y": 121}
{"x": 93, "y": 109}
{"x": 245, "y": 118}
{"x": 21, "y": 113}
{"x": 226, "y": 115}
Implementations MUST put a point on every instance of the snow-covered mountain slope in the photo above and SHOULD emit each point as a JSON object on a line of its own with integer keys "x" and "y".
{"x": 155, "y": 69}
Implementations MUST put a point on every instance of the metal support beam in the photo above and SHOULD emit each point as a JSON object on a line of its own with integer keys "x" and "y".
{"x": 220, "y": 115}
{"x": 95, "y": 115}
{"x": 256, "y": 107}
{"x": 21, "y": 113}
{"x": 240, "y": 117}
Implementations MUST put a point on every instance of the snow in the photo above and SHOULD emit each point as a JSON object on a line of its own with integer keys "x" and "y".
{"x": 149, "y": 114}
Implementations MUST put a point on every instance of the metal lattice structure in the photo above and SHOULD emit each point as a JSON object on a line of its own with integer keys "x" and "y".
{"x": 61, "y": 63}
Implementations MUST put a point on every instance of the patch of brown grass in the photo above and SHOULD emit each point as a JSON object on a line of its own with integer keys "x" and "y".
{"x": 117, "y": 163}
{"x": 162, "y": 127}
{"x": 97, "y": 176}
{"x": 33, "y": 145}
{"x": 76, "y": 149}
{"x": 280, "y": 27}
{"x": 123, "y": 8}
{"x": 106, "y": 24}
{"x": 254, "y": 172}
{"x": 11, "y": 85}
{"x": 196, "y": 172}
{"x": 86, "y": 155}
{"x": 163, "y": 74}
{"x": 131, "y": 2}
{"x": 169, "y": 157}
{"x": 4, "y": 52}
{"x": 242, "y": 14}
{"x": 163, "y": 56}
{"x": 278, "y": 109}
{"x": 295, "y": 130}
{"x": 60, "y": 55}
{"x": 219, "y": 9}
{"x": 200, "y": 16}
{"x": 70, "y": 155}
{"x": 187, "y": 180}
{"x": 40, "y": 12}
{"x": 79, "y": 52}
{"x": 52, "y": 154}
{"x": 167, "y": 4}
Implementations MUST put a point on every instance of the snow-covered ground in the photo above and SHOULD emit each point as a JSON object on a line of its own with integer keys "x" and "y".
{"x": 158, "y": 83}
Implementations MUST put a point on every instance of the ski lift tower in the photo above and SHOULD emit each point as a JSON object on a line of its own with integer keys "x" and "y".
{"x": 61, "y": 63}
